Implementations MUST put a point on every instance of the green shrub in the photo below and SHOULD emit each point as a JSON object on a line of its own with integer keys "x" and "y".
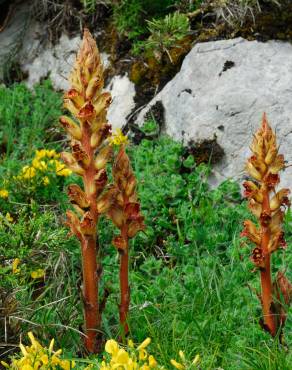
{"x": 130, "y": 15}
{"x": 165, "y": 33}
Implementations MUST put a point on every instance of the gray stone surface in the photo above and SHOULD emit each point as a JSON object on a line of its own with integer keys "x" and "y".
{"x": 28, "y": 41}
{"x": 222, "y": 90}
{"x": 12, "y": 36}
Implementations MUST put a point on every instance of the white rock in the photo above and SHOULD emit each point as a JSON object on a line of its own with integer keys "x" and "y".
{"x": 123, "y": 93}
{"x": 54, "y": 63}
{"x": 203, "y": 101}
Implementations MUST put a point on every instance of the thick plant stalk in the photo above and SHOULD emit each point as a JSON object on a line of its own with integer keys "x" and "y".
{"x": 125, "y": 214}
{"x": 90, "y": 153}
{"x": 267, "y": 206}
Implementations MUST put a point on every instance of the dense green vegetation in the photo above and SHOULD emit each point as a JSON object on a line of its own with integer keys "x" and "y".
{"x": 190, "y": 271}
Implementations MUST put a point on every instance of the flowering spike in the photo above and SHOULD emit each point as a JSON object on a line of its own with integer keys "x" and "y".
{"x": 88, "y": 130}
{"x": 125, "y": 214}
{"x": 264, "y": 166}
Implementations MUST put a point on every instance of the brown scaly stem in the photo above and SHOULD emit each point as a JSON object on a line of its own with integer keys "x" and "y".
{"x": 267, "y": 206}
{"x": 125, "y": 214}
{"x": 266, "y": 278}
{"x": 124, "y": 284}
{"x": 90, "y": 153}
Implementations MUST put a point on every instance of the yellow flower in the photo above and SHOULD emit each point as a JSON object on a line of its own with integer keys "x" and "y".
{"x": 144, "y": 344}
{"x": 45, "y": 359}
{"x": 177, "y": 365}
{"x": 61, "y": 169}
{"x": 28, "y": 172}
{"x": 37, "y": 274}
{"x": 130, "y": 343}
{"x": 39, "y": 165}
{"x": 118, "y": 138}
{"x": 152, "y": 361}
{"x": 15, "y": 263}
{"x": 182, "y": 355}
{"x": 142, "y": 354}
{"x": 196, "y": 360}
{"x": 8, "y": 217}
{"x": 46, "y": 180}
{"x": 44, "y": 153}
{"x": 111, "y": 347}
{"x": 27, "y": 367}
{"x": 4, "y": 193}
{"x": 121, "y": 357}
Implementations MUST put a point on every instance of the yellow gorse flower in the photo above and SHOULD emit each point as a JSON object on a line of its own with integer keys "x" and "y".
{"x": 45, "y": 162}
{"x": 8, "y": 217}
{"x": 15, "y": 264}
{"x": 37, "y": 357}
{"x": 185, "y": 364}
{"x": 131, "y": 359}
{"x": 4, "y": 193}
{"x": 118, "y": 138}
{"x": 37, "y": 274}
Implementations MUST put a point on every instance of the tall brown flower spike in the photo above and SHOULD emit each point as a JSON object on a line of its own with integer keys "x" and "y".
{"x": 125, "y": 214}
{"x": 267, "y": 206}
{"x": 89, "y": 155}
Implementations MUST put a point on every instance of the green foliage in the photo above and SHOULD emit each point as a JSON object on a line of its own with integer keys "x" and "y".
{"x": 130, "y": 15}
{"x": 27, "y": 119}
{"x": 165, "y": 33}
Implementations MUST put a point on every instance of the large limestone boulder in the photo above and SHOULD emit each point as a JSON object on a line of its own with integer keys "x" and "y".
{"x": 221, "y": 92}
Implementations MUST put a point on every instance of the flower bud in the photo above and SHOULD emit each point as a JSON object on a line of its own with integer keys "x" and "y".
{"x": 94, "y": 87}
{"x": 102, "y": 102}
{"x": 281, "y": 198}
{"x": 116, "y": 214}
{"x": 103, "y": 157}
{"x": 77, "y": 196}
{"x": 86, "y": 112}
{"x": 71, "y": 127}
{"x": 75, "y": 97}
{"x": 87, "y": 224}
{"x": 71, "y": 163}
{"x": 120, "y": 243}
{"x": 251, "y": 232}
{"x": 71, "y": 107}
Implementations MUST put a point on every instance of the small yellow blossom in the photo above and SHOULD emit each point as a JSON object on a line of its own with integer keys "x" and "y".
{"x": 46, "y": 180}
{"x": 36, "y": 357}
{"x": 61, "y": 169}
{"x": 182, "y": 355}
{"x": 8, "y": 217}
{"x": 144, "y": 344}
{"x": 142, "y": 354}
{"x": 44, "y": 153}
{"x": 152, "y": 362}
{"x": 196, "y": 360}
{"x": 176, "y": 364}
{"x": 118, "y": 138}
{"x": 28, "y": 172}
{"x": 4, "y": 193}
{"x": 37, "y": 274}
{"x": 39, "y": 165}
{"x": 15, "y": 264}
{"x": 111, "y": 347}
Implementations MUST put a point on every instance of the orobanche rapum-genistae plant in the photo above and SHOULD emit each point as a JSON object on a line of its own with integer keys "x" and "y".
{"x": 268, "y": 207}
{"x": 91, "y": 151}
{"x": 125, "y": 214}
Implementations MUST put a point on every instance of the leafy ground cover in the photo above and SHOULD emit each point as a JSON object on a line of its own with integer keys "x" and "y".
{"x": 191, "y": 277}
